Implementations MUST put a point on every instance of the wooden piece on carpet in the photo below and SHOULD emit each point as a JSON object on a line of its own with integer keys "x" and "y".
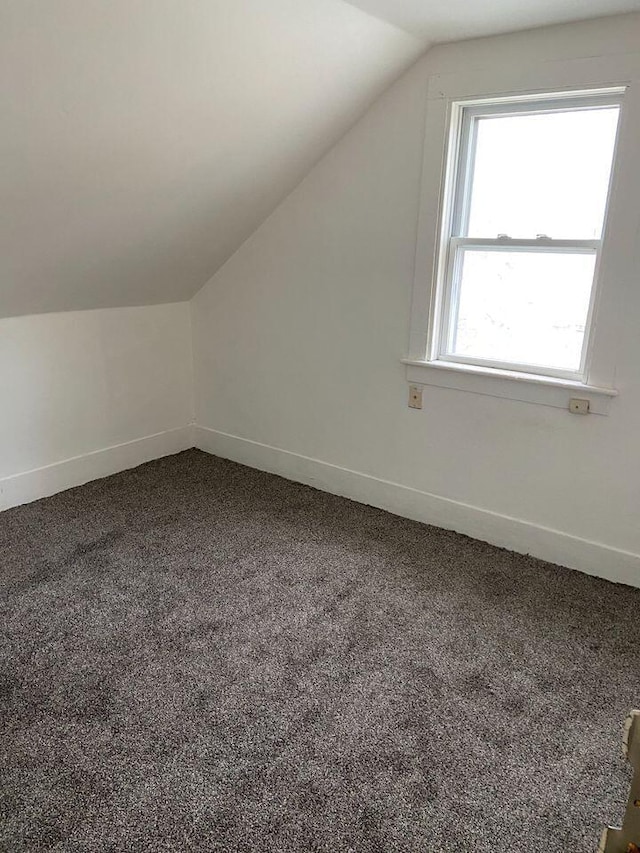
{"x": 627, "y": 839}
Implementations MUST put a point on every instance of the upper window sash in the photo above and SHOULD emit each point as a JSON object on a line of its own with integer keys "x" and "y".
{"x": 464, "y": 122}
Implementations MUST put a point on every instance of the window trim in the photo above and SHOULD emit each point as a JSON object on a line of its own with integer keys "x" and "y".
{"x": 508, "y": 384}
{"x": 591, "y": 74}
{"x": 458, "y": 180}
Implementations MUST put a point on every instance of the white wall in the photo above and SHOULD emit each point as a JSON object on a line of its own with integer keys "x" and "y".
{"x": 297, "y": 342}
{"x": 87, "y": 393}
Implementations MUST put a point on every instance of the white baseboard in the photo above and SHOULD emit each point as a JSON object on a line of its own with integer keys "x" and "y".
{"x": 594, "y": 558}
{"x": 31, "y": 485}
{"x": 524, "y": 537}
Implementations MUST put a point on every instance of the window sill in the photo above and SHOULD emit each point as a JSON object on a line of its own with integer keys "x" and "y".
{"x": 525, "y": 387}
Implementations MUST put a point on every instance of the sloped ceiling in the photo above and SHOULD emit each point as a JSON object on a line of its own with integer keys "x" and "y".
{"x": 449, "y": 20}
{"x": 143, "y": 140}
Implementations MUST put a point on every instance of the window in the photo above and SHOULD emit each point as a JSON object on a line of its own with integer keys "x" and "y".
{"x": 524, "y": 210}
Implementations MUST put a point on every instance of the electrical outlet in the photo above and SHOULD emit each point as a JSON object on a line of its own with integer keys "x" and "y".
{"x": 415, "y": 396}
{"x": 578, "y": 406}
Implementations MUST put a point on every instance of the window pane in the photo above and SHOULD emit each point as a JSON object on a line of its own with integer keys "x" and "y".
{"x": 543, "y": 174}
{"x": 523, "y": 307}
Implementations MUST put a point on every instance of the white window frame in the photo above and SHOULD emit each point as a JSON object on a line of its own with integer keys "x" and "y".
{"x": 462, "y": 143}
{"x": 610, "y": 77}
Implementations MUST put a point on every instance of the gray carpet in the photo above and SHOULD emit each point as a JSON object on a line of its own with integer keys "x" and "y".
{"x": 196, "y": 656}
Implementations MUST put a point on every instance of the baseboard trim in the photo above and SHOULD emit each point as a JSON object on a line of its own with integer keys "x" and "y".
{"x": 524, "y": 537}
{"x": 594, "y": 558}
{"x": 29, "y": 486}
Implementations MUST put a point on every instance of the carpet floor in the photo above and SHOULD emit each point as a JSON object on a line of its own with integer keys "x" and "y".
{"x": 197, "y": 656}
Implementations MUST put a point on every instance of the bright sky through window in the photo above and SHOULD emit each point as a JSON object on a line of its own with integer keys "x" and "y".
{"x": 543, "y": 174}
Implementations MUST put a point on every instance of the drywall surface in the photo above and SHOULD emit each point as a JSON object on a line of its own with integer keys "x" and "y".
{"x": 448, "y": 20}
{"x": 298, "y": 340}
{"x": 143, "y": 141}
{"x": 78, "y": 383}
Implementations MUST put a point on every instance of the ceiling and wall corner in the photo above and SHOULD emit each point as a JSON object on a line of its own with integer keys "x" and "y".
{"x": 143, "y": 142}
{"x": 452, "y": 20}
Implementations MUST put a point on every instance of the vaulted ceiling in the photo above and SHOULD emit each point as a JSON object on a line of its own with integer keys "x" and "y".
{"x": 144, "y": 140}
